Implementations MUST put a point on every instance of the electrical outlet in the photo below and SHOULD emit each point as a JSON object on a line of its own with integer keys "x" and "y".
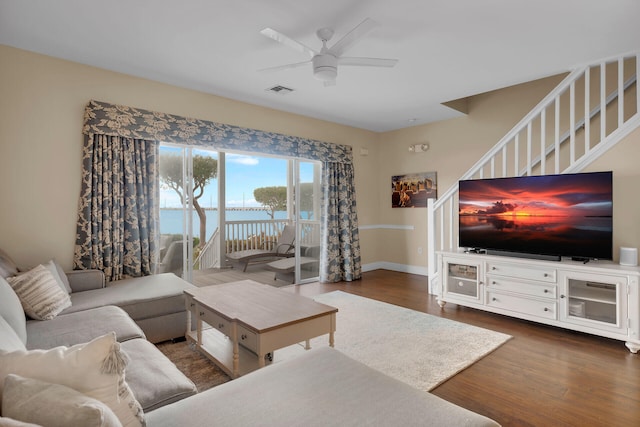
{"x": 419, "y": 250}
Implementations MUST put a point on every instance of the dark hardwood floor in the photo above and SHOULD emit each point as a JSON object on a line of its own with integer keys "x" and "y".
{"x": 543, "y": 376}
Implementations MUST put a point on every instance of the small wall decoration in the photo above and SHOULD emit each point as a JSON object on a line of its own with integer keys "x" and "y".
{"x": 412, "y": 190}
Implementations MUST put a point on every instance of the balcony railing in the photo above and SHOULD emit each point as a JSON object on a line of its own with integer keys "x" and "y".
{"x": 245, "y": 235}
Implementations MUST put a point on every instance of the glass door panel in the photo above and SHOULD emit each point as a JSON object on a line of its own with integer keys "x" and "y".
{"x": 257, "y": 210}
{"x": 204, "y": 208}
{"x": 174, "y": 220}
{"x": 188, "y": 201}
{"x": 307, "y": 191}
{"x": 255, "y": 201}
{"x": 595, "y": 300}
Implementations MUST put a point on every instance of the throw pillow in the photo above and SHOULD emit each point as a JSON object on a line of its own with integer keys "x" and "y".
{"x": 40, "y": 295}
{"x": 7, "y": 266}
{"x": 53, "y": 405}
{"x": 95, "y": 368}
{"x": 12, "y": 311}
{"x": 59, "y": 274}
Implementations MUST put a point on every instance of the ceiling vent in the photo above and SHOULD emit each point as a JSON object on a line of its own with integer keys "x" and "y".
{"x": 282, "y": 90}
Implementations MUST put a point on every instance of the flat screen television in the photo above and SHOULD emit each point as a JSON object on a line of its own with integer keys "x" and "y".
{"x": 548, "y": 216}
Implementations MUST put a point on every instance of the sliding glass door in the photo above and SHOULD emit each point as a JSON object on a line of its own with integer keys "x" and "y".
{"x": 215, "y": 203}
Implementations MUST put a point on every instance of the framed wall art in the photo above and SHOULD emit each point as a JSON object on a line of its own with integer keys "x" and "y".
{"x": 412, "y": 190}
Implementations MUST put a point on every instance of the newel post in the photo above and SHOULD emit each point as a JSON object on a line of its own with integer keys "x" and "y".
{"x": 431, "y": 246}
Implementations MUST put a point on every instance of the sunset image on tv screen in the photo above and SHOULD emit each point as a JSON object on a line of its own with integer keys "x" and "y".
{"x": 567, "y": 215}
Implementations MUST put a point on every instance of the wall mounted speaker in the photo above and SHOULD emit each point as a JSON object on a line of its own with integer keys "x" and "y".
{"x": 629, "y": 256}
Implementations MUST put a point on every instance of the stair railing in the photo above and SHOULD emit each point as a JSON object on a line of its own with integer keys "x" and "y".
{"x": 593, "y": 122}
{"x": 208, "y": 256}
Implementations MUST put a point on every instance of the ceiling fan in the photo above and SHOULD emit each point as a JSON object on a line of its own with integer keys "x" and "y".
{"x": 325, "y": 62}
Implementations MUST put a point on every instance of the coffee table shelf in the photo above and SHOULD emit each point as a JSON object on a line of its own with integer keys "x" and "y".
{"x": 218, "y": 348}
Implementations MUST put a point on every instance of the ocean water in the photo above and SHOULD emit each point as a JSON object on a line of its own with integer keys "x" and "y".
{"x": 171, "y": 219}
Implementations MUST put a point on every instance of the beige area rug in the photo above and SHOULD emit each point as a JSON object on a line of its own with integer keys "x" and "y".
{"x": 417, "y": 348}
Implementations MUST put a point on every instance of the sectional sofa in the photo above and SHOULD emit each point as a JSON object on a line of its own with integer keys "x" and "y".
{"x": 130, "y": 314}
{"x": 92, "y": 363}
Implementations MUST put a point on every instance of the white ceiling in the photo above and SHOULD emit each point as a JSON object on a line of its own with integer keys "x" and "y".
{"x": 447, "y": 49}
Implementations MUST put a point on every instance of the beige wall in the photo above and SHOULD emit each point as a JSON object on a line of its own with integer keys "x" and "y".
{"x": 41, "y": 105}
{"x": 455, "y": 145}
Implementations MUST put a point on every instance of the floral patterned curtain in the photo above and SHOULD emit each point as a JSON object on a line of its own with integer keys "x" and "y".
{"x": 339, "y": 229}
{"x": 340, "y": 259}
{"x": 117, "y": 228}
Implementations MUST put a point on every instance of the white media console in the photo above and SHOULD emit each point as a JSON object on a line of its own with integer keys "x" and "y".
{"x": 598, "y": 297}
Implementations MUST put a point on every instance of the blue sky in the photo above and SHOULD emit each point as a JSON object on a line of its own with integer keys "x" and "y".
{"x": 244, "y": 174}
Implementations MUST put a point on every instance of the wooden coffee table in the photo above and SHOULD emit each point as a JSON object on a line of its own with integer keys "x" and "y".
{"x": 240, "y": 324}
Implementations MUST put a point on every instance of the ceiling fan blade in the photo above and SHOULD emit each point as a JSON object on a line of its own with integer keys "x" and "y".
{"x": 368, "y": 62}
{"x": 288, "y": 41}
{"x": 354, "y": 35}
{"x": 285, "y": 67}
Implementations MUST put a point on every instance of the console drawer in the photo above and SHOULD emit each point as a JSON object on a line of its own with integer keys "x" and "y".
{"x": 247, "y": 338}
{"x": 462, "y": 286}
{"x": 545, "y": 309}
{"x": 522, "y": 271}
{"x": 543, "y": 290}
{"x": 216, "y": 322}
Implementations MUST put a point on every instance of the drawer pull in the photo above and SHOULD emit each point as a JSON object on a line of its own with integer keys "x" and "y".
{"x": 546, "y": 291}
{"x": 562, "y": 296}
{"x": 202, "y": 313}
{"x": 494, "y": 299}
{"x": 192, "y": 304}
{"x": 494, "y": 268}
{"x": 243, "y": 337}
{"x": 545, "y": 275}
{"x": 220, "y": 325}
{"x": 546, "y": 309}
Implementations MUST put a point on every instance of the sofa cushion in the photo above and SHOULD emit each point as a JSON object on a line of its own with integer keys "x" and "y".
{"x": 322, "y": 387}
{"x": 80, "y": 327}
{"x": 9, "y": 340}
{"x": 53, "y": 405}
{"x": 10, "y": 422}
{"x": 39, "y": 293}
{"x": 85, "y": 280}
{"x": 7, "y": 266}
{"x": 95, "y": 369}
{"x": 140, "y": 297}
{"x": 153, "y": 378}
{"x": 11, "y": 310}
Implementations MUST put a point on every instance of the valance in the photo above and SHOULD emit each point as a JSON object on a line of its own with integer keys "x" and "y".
{"x": 117, "y": 120}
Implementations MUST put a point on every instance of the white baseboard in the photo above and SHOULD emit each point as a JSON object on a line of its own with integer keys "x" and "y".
{"x": 403, "y": 268}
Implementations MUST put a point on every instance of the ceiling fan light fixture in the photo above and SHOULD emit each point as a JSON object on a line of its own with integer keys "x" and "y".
{"x": 325, "y": 61}
{"x": 325, "y": 67}
{"x": 325, "y": 73}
